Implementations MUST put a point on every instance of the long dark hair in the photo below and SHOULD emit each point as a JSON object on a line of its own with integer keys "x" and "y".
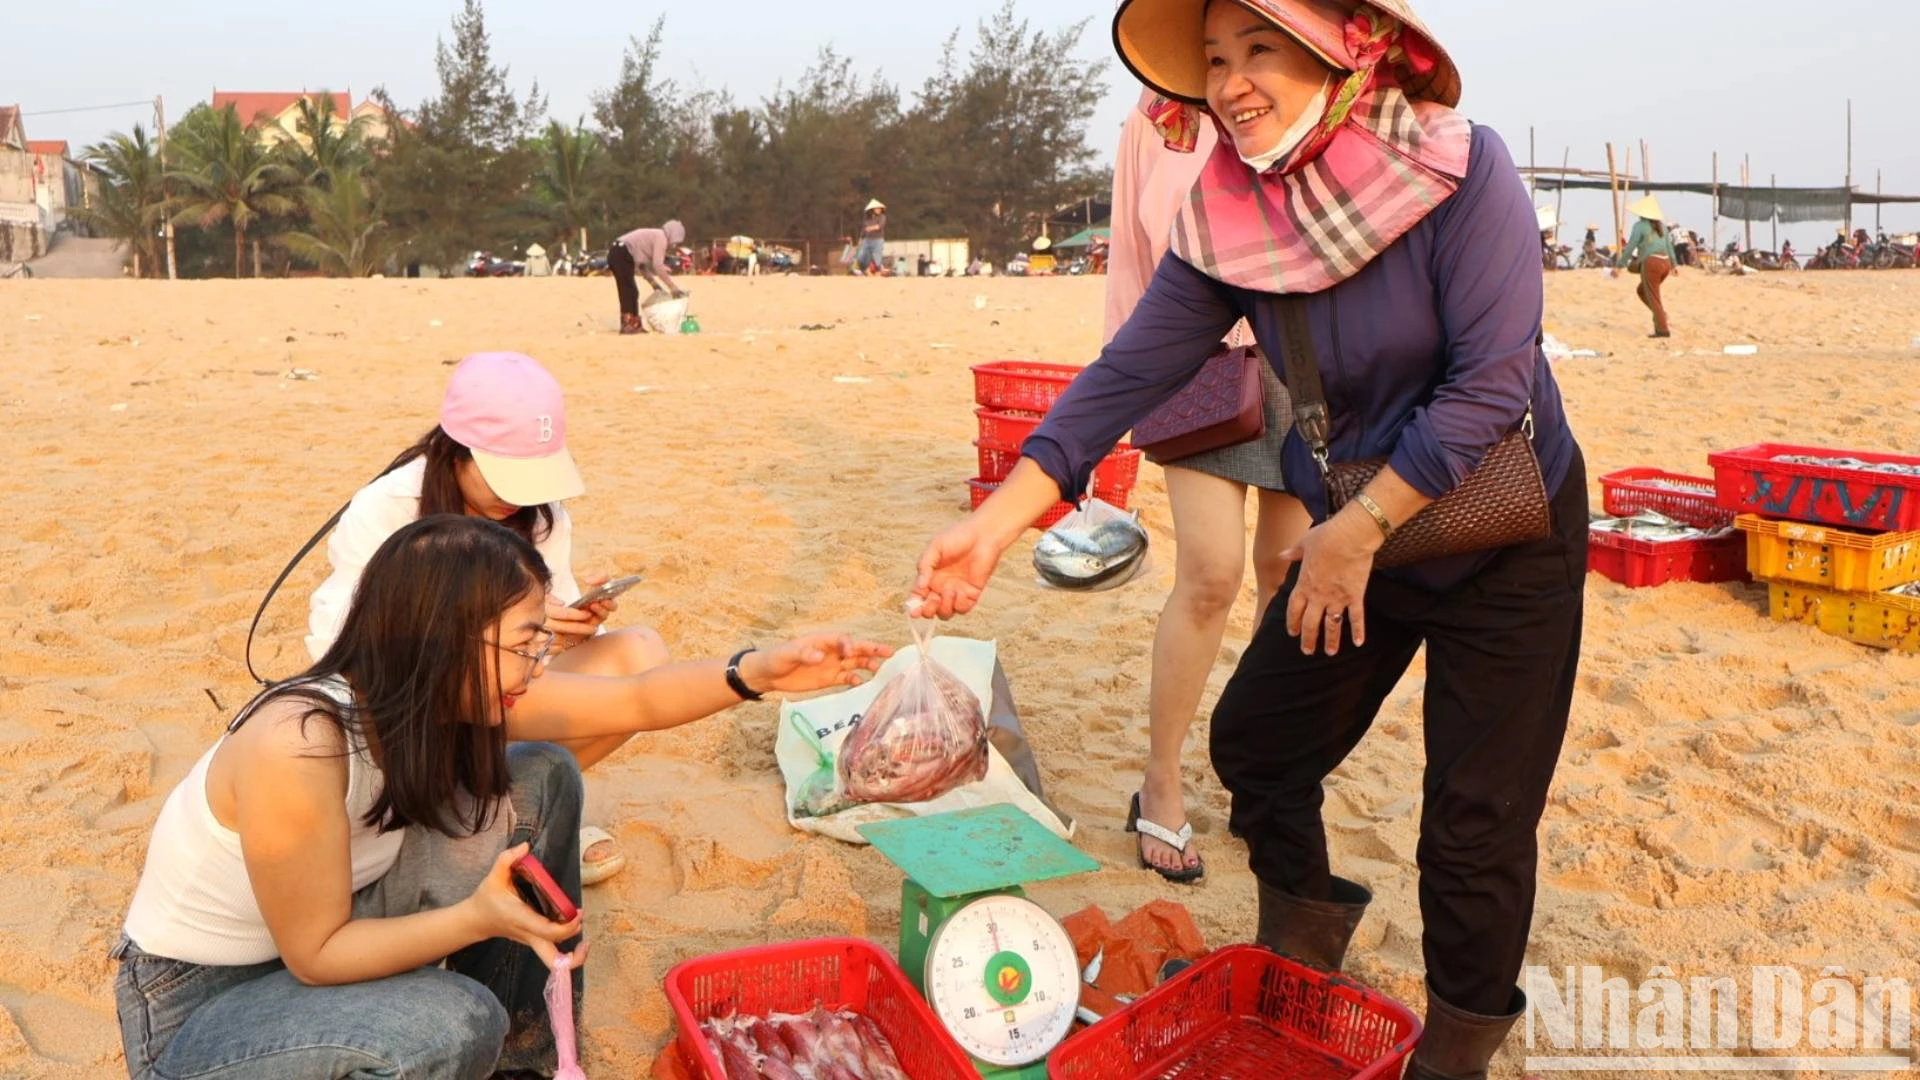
{"x": 1659, "y": 227}
{"x": 412, "y": 653}
{"x": 440, "y": 487}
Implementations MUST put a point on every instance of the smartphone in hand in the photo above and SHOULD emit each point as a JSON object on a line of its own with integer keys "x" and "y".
{"x": 541, "y": 892}
{"x": 607, "y": 590}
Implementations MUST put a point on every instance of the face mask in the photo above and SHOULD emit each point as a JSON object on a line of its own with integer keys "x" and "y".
{"x": 1302, "y": 124}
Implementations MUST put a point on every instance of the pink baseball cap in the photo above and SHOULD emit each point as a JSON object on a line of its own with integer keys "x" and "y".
{"x": 508, "y": 410}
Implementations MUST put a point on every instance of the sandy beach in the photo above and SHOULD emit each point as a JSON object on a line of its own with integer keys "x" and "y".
{"x": 1733, "y": 791}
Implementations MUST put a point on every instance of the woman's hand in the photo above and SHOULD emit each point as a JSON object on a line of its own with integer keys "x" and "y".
{"x": 955, "y": 567}
{"x": 1336, "y": 558}
{"x": 498, "y": 912}
{"x": 812, "y": 662}
{"x": 575, "y": 625}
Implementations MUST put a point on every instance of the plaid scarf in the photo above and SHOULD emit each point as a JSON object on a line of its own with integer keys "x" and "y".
{"x": 1377, "y": 163}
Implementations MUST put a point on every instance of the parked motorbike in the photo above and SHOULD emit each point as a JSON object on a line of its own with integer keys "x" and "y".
{"x": 487, "y": 264}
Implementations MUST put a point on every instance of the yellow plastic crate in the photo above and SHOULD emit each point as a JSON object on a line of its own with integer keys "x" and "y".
{"x": 1882, "y": 620}
{"x": 1837, "y": 559}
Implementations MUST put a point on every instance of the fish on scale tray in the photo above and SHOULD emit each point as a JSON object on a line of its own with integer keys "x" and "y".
{"x": 1895, "y": 468}
{"x": 1655, "y": 527}
{"x": 817, "y": 1045}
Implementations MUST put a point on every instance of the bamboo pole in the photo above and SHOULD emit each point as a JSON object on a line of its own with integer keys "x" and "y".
{"x": 1561, "y": 199}
{"x": 1646, "y": 163}
{"x": 1613, "y": 188}
{"x": 1716, "y": 203}
{"x": 1876, "y": 206}
{"x": 1533, "y": 187}
{"x": 1849, "y": 210}
{"x": 1773, "y": 184}
{"x": 166, "y": 208}
{"x": 1746, "y": 181}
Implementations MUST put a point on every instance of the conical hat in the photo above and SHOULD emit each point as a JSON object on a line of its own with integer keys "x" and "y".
{"x": 1163, "y": 42}
{"x": 1648, "y": 208}
{"x": 875, "y": 204}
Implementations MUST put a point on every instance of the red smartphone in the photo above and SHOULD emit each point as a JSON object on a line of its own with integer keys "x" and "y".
{"x": 541, "y": 892}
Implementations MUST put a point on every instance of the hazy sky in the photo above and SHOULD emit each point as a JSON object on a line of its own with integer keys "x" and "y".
{"x": 1765, "y": 77}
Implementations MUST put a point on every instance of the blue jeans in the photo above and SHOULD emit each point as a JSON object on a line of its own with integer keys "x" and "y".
{"x": 871, "y": 250}
{"x": 484, "y": 1011}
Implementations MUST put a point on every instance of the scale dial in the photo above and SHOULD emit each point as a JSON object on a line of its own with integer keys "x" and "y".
{"x": 1002, "y": 976}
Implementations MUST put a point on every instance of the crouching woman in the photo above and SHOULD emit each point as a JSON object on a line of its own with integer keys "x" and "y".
{"x": 356, "y": 826}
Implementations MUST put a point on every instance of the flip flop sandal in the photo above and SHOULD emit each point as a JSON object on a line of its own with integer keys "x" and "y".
{"x": 593, "y": 873}
{"x": 1178, "y": 841}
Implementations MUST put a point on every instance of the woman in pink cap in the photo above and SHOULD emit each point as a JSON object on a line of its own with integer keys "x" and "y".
{"x": 499, "y": 452}
{"x": 1387, "y": 257}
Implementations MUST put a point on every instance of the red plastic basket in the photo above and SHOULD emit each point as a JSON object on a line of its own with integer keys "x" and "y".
{"x": 1640, "y": 563}
{"x": 1006, "y": 429}
{"x": 1688, "y": 499}
{"x": 1122, "y": 498}
{"x": 839, "y": 973}
{"x": 1118, "y": 471}
{"x": 1021, "y": 384}
{"x": 1241, "y": 1012}
{"x": 1749, "y": 481}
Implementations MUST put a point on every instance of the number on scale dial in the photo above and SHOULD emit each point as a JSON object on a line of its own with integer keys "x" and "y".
{"x": 1003, "y": 978}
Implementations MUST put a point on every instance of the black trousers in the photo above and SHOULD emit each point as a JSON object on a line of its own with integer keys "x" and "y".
{"x": 1502, "y": 651}
{"x": 620, "y": 263}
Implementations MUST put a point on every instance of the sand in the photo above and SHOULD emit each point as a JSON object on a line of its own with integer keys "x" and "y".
{"x": 1733, "y": 791}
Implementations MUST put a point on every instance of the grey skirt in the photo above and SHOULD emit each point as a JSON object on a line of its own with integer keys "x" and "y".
{"x": 1255, "y": 463}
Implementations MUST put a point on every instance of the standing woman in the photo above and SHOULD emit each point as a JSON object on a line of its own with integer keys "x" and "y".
{"x": 1206, "y": 491}
{"x": 873, "y": 239}
{"x": 500, "y": 453}
{"x": 1384, "y": 250}
{"x": 643, "y": 252}
{"x": 1649, "y": 253}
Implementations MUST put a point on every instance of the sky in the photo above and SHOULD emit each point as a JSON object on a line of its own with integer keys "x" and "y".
{"x": 1765, "y": 78}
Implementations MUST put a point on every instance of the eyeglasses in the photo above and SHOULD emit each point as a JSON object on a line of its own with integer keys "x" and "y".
{"x": 546, "y": 638}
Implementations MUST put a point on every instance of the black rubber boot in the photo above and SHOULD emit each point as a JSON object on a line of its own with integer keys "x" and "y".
{"x": 1457, "y": 1044}
{"x": 1314, "y": 932}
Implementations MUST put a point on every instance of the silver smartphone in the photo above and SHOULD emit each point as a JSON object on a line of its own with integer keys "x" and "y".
{"x": 607, "y": 590}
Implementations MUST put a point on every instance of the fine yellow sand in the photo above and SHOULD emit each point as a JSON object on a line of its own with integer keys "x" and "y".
{"x": 1733, "y": 791}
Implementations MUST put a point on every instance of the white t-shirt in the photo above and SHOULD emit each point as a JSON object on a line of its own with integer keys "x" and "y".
{"x": 195, "y": 902}
{"x": 378, "y": 511}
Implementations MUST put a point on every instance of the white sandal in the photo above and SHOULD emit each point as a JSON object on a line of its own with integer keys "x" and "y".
{"x": 593, "y": 873}
{"x": 1178, "y": 841}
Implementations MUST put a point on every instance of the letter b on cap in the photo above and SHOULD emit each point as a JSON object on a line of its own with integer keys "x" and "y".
{"x": 546, "y": 428}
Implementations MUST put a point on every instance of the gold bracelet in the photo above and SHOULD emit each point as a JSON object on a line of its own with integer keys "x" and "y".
{"x": 1379, "y": 516}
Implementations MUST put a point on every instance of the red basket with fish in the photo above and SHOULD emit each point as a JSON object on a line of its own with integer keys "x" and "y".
{"x": 838, "y": 974}
{"x": 1688, "y": 499}
{"x": 1121, "y": 497}
{"x": 1021, "y": 384}
{"x": 1118, "y": 471}
{"x": 1854, "y": 489}
{"x": 1638, "y": 563}
{"x": 1246, "y": 1011}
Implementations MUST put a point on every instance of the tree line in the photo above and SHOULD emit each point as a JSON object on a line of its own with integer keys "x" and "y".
{"x": 993, "y": 141}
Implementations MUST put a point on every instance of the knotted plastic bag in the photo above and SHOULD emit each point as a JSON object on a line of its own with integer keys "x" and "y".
{"x": 923, "y": 736}
{"x": 560, "y": 1015}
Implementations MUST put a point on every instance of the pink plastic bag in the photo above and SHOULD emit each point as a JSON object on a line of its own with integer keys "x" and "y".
{"x": 923, "y": 735}
{"x": 560, "y": 1015}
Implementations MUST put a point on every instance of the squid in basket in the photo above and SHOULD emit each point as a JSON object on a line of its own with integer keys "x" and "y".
{"x": 923, "y": 736}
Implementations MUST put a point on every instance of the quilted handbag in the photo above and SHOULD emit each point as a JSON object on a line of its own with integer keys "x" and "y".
{"x": 1223, "y": 405}
{"x": 1502, "y": 501}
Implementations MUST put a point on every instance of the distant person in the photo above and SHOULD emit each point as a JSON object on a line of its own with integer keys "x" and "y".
{"x": 643, "y": 252}
{"x": 921, "y": 268}
{"x": 1682, "y": 245}
{"x": 1649, "y": 253}
{"x": 873, "y": 239}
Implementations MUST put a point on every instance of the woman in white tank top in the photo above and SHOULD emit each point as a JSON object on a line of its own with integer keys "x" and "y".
{"x": 355, "y": 828}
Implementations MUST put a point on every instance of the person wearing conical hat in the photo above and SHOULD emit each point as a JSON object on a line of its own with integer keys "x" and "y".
{"x": 873, "y": 239}
{"x": 1649, "y": 253}
{"x": 1385, "y": 248}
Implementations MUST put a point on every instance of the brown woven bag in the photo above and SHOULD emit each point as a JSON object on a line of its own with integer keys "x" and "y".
{"x": 1502, "y": 501}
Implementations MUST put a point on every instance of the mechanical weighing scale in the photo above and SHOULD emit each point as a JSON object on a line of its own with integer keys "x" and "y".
{"x": 998, "y": 971}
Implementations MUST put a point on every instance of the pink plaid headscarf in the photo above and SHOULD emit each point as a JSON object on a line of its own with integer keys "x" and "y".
{"x": 1378, "y": 162}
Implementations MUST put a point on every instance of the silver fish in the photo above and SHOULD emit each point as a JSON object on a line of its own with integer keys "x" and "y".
{"x": 1648, "y": 525}
{"x": 1895, "y": 468}
{"x": 1077, "y": 559}
{"x": 1909, "y": 589}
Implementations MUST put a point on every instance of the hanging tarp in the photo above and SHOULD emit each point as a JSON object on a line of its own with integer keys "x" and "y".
{"x": 1787, "y": 204}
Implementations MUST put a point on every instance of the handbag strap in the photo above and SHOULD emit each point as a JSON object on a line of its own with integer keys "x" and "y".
{"x": 247, "y": 654}
{"x": 1302, "y": 365}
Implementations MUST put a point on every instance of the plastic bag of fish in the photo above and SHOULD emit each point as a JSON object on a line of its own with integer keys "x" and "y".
{"x": 923, "y": 736}
{"x": 1097, "y": 546}
{"x": 820, "y": 1045}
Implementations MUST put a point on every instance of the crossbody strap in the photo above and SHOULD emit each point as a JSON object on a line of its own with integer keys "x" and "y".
{"x": 281, "y": 580}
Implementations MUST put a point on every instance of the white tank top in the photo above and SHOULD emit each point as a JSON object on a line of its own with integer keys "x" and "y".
{"x": 194, "y": 901}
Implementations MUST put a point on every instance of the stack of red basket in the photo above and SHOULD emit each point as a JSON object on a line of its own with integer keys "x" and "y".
{"x": 1013, "y": 396}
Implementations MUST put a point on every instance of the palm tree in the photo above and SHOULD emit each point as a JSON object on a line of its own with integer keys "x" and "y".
{"x": 226, "y": 175}
{"x": 328, "y": 145}
{"x": 566, "y": 159}
{"x": 344, "y": 227}
{"x": 132, "y": 202}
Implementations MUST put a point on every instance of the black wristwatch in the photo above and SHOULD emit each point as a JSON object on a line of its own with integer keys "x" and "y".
{"x": 734, "y": 680}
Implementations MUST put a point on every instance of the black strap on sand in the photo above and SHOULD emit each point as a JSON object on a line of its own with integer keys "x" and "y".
{"x": 281, "y": 580}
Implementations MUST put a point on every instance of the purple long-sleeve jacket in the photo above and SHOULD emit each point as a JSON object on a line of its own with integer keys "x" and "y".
{"x": 1429, "y": 355}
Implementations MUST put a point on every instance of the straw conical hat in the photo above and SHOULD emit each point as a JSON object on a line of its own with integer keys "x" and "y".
{"x": 1648, "y": 208}
{"x": 876, "y": 204}
{"x": 1163, "y": 43}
